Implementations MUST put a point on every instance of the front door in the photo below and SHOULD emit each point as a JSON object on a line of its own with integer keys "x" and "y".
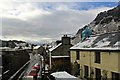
{"x": 86, "y": 71}
{"x": 98, "y": 74}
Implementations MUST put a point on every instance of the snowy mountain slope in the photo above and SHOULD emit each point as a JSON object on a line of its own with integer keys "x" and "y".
{"x": 105, "y": 22}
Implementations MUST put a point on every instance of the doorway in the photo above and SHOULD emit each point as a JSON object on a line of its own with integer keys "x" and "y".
{"x": 98, "y": 73}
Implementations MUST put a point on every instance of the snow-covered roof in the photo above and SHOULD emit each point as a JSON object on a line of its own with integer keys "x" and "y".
{"x": 60, "y": 56}
{"x": 106, "y": 48}
{"x": 16, "y": 48}
{"x": 13, "y": 49}
{"x": 20, "y": 44}
{"x": 26, "y": 47}
{"x": 101, "y": 42}
{"x": 84, "y": 44}
{"x": 63, "y": 75}
{"x": 36, "y": 47}
{"x": 5, "y": 48}
{"x": 54, "y": 47}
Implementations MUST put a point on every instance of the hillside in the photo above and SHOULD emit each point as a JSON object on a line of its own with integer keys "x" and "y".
{"x": 105, "y": 22}
{"x": 14, "y": 44}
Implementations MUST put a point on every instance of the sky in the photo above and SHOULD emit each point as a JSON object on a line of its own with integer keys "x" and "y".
{"x": 44, "y": 22}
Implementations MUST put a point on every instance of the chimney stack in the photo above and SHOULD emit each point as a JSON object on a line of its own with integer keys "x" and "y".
{"x": 65, "y": 40}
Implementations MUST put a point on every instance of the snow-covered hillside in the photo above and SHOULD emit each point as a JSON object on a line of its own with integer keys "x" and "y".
{"x": 105, "y": 22}
{"x": 14, "y": 45}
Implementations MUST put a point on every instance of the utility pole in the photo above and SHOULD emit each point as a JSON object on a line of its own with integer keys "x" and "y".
{"x": 44, "y": 57}
{"x": 44, "y": 61}
{"x": 50, "y": 59}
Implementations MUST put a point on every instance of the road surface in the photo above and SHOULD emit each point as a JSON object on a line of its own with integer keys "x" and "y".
{"x": 33, "y": 60}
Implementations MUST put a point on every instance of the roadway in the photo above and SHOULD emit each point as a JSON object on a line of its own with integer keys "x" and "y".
{"x": 33, "y": 60}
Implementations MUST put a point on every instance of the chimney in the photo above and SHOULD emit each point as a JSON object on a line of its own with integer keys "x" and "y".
{"x": 65, "y": 40}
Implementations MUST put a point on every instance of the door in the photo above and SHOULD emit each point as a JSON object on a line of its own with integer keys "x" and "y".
{"x": 86, "y": 70}
{"x": 98, "y": 74}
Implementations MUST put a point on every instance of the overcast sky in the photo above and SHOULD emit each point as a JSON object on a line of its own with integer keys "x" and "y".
{"x": 47, "y": 21}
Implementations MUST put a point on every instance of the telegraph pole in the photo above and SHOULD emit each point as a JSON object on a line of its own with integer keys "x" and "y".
{"x": 50, "y": 59}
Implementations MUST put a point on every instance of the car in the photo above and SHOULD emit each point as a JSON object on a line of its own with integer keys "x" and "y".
{"x": 33, "y": 72}
{"x": 36, "y": 67}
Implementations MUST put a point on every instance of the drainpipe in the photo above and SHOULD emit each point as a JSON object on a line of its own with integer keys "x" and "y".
{"x": 90, "y": 66}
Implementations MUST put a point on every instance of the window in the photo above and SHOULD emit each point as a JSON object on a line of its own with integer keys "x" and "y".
{"x": 118, "y": 28}
{"x": 77, "y": 55}
{"x": 97, "y": 57}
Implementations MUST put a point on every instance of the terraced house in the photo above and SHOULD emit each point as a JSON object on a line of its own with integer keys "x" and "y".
{"x": 98, "y": 57}
{"x": 60, "y": 55}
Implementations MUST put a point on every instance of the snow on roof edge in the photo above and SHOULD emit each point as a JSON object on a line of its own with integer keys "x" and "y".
{"x": 59, "y": 56}
{"x": 51, "y": 49}
{"x": 103, "y": 48}
{"x": 36, "y": 47}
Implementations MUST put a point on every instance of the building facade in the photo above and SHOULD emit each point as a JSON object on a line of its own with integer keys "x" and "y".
{"x": 98, "y": 63}
{"x": 60, "y": 55}
{"x": 59, "y": 61}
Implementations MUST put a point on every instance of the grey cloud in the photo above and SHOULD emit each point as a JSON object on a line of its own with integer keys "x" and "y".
{"x": 11, "y": 26}
{"x": 46, "y": 26}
